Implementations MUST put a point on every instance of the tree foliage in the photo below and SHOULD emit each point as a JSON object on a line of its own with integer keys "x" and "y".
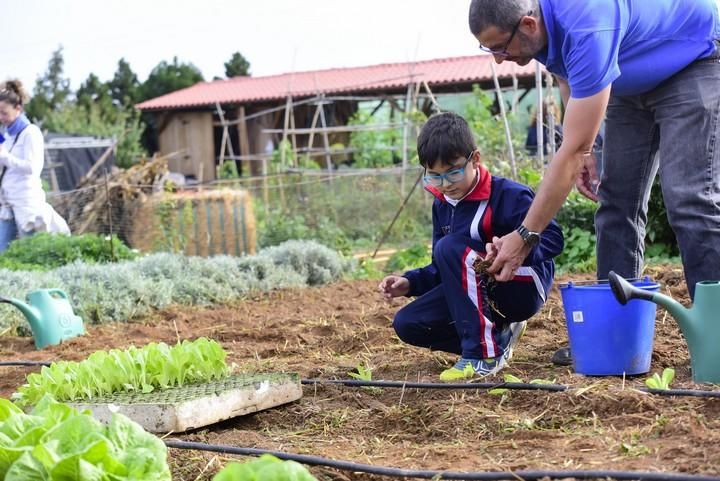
{"x": 94, "y": 120}
{"x": 51, "y": 90}
{"x": 237, "y": 66}
{"x": 169, "y": 77}
{"x": 93, "y": 91}
{"x": 124, "y": 86}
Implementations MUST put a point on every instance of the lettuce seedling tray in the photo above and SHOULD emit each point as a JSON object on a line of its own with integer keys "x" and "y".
{"x": 180, "y": 409}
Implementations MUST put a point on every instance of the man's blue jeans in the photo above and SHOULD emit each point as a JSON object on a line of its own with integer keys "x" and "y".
{"x": 678, "y": 120}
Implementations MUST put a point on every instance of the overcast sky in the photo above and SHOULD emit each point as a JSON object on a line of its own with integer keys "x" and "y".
{"x": 276, "y": 36}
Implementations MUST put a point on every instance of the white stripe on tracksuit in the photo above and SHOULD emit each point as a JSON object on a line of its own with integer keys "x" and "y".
{"x": 486, "y": 325}
{"x": 475, "y": 224}
{"x": 525, "y": 271}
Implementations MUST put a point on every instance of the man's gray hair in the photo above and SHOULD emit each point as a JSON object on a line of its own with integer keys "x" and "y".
{"x": 503, "y": 14}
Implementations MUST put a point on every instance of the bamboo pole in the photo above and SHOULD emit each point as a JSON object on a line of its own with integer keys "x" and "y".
{"x": 540, "y": 117}
{"x": 293, "y": 137}
{"x": 432, "y": 97}
{"x": 346, "y": 128}
{"x": 286, "y": 125}
{"x": 506, "y": 124}
{"x": 405, "y": 125}
{"x": 551, "y": 118}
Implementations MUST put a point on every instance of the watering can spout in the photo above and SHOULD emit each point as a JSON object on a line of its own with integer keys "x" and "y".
{"x": 31, "y": 314}
{"x": 624, "y": 292}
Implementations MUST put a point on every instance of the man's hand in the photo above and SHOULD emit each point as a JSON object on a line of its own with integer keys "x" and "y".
{"x": 588, "y": 180}
{"x": 508, "y": 253}
{"x": 394, "y": 286}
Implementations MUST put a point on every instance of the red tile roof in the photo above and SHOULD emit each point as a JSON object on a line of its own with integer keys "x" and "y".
{"x": 436, "y": 72}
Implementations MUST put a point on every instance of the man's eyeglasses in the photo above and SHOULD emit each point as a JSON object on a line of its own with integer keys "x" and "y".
{"x": 452, "y": 176}
{"x": 503, "y": 52}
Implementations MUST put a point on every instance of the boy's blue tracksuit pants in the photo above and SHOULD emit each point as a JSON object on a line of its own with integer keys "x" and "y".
{"x": 465, "y": 314}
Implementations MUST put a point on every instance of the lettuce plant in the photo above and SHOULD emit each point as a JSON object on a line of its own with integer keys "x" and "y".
{"x": 57, "y": 443}
{"x": 266, "y": 467}
{"x": 145, "y": 369}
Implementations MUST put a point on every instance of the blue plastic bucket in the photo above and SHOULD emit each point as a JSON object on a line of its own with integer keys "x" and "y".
{"x": 607, "y": 338}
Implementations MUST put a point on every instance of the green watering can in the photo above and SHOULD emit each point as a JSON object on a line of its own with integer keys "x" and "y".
{"x": 50, "y": 315}
{"x": 700, "y": 324}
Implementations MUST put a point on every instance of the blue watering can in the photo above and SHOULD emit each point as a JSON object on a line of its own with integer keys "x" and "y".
{"x": 50, "y": 315}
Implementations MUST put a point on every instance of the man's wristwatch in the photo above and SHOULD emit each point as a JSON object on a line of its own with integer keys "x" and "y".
{"x": 529, "y": 237}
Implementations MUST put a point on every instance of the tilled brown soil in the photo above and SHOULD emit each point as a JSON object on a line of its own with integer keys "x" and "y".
{"x": 602, "y": 423}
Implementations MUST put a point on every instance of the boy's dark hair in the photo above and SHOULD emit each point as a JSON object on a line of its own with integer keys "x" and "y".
{"x": 445, "y": 137}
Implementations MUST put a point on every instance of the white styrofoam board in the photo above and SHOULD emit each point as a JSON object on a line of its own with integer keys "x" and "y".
{"x": 184, "y": 408}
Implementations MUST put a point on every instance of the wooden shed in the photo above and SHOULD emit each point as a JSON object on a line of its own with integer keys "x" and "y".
{"x": 245, "y": 118}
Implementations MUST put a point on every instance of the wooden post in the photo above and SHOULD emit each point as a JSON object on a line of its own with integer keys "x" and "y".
{"x": 244, "y": 141}
{"x": 540, "y": 117}
{"x": 311, "y": 139}
{"x": 326, "y": 138}
{"x": 225, "y": 142}
{"x": 506, "y": 124}
{"x": 266, "y": 197}
{"x": 515, "y": 94}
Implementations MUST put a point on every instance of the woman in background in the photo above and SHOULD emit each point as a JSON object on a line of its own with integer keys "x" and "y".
{"x": 23, "y": 209}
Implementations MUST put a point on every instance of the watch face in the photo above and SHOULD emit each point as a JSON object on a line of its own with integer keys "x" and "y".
{"x": 532, "y": 239}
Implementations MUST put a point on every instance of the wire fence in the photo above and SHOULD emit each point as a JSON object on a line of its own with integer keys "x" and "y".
{"x": 346, "y": 209}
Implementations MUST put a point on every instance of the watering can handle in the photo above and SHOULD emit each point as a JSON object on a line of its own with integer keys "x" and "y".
{"x": 5, "y": 300}
{"x": 59, "y": 292}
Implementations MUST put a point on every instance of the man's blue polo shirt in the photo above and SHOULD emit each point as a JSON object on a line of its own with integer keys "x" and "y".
{"x": 633, "y": 44}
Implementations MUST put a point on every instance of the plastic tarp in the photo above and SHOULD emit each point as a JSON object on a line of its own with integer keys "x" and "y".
{"x": 68, "y": 159}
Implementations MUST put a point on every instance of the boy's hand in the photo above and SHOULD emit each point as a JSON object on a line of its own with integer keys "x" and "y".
{"x": 394, "y": 286}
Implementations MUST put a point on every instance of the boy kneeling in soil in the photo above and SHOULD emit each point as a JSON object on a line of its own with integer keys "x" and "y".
{"x": 460, "y": 308}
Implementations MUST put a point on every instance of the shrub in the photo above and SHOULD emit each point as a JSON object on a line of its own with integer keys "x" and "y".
{"x": 410, "y": 258}
{"x": 579, "y": 252}
{"x": 316, "y": 263}
{"x": 126, "y": 290}
{"x": 45, "y": 251}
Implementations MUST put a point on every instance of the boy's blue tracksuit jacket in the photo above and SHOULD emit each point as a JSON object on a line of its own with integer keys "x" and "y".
{"x": 495, "y": 207}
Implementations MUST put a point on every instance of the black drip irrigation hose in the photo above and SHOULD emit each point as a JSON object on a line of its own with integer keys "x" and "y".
{"x": 445, "y": 385}
{"x": 436, "y": 474}
{"x": 24, "y": 363}
{"x": 682, "y": 392}
{"x": 439, "y": 385}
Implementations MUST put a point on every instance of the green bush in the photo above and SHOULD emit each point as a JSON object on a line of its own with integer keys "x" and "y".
{"x": 658, "y": 228}
{"x": 410, "y": 258}
{"x": 45, "y": 251}
{"x": 278, "y": 227}
{"x": 579, "y": 252}
{"x": 129, "y": 289}
{"x": 577, "y": 211}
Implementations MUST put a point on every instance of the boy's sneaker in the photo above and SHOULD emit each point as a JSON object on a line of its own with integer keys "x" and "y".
{"x": 467, "y": 368}
{"x": 510, "y": 336}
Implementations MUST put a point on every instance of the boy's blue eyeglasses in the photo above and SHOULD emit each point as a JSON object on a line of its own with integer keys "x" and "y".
{"x": 452, "y": 176}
